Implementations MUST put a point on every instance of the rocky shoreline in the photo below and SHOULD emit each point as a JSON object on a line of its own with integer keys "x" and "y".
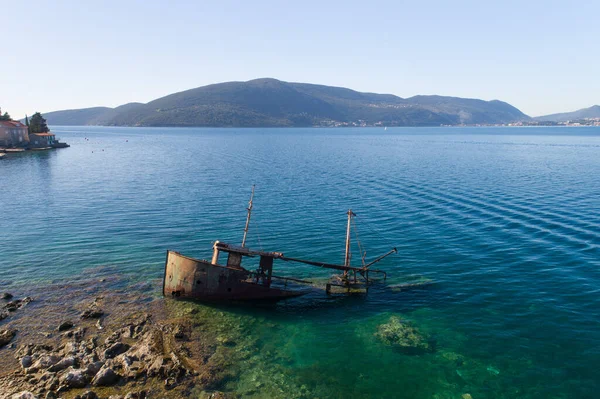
{"x": 120, "y": 345}
{"x": 111, "y": 339}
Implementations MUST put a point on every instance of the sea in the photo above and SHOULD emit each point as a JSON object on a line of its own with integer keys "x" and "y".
{"x": 502, "y": 223}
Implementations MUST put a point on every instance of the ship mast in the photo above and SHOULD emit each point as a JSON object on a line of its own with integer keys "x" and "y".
{"x": 348, "y": 256}
{"x": 249, "y": 209}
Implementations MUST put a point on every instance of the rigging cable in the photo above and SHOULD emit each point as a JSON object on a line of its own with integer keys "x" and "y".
{"x": 363, "y": 254}
{"x": 383, "y": 238}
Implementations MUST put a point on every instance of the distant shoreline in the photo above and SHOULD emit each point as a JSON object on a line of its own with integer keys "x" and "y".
{"x": 325, "y": 127}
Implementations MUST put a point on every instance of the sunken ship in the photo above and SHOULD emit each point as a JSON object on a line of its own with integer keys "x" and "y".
{"x": 226, "y": 276}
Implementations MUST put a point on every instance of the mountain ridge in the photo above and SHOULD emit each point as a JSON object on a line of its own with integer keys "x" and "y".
{"x": 590, "y": 112}
{"x": 268, "y": 102}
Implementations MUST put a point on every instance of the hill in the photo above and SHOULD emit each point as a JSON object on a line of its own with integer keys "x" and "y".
{"x": 270, "y": 102}
{"x": 591, "y": 112}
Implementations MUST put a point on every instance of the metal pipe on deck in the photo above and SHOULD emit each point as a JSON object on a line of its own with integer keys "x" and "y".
{"x": 393, "y": 250}
{"x": 215, "y": 258}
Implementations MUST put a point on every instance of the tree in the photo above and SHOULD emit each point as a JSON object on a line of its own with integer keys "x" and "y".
{"x": 37, "y": 124}
{"x": 5, "y": 117}
{"x": 26, "y": 121}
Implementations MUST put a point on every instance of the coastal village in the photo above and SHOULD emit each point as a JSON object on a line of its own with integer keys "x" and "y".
{"x": 34, "y": 135}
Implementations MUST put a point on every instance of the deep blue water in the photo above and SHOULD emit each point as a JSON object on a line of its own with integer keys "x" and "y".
{"x": 505, "y": 221}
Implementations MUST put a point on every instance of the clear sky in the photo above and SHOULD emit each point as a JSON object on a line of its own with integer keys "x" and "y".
{"x": 542, "y": 56}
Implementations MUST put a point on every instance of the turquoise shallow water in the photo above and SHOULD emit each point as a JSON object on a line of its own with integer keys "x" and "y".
{"x": 506, "y": 221}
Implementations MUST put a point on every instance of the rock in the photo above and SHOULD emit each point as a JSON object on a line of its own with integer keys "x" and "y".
{"x": 63, "y": 364}
{"x": 65, "y": 325}
{"x": 92, "y": 314}
{"x": 115, "y": 350}
{"x": 88, "y": 395}
{"x": 7, "y": 295}
{"x": 24, "y": 395}
{"x": 93, "y": 368}
{"x": 70, "y": 348}
{"x": 226, "y": 341}
{"x": 6, "y": 336}
{"x": 62, "y": 388}
{"x": 51, "y": 395}
{"x": 136, "y": 395}
{"x": 170, "y": 382}
{"x": 105, "y": 377}
{"x": 75, "y": 378}
{"x": 127, "y": 331}
{"x": 131, "y": 366}
{"x": 78, "y": 333}
{"x": 26, "y": 361}
{"x": 216, "y": 371}
{"x": 404, "y": 336}
{"x": 112, "y": 338}
{"x": 30, "y": 349}
{"x": 115, "y": 397}
{"x": 157, "y": 367}
{"x": 52, "y": 384}
{"x": 46, "y": 376}
{"x": 14, "y": 305}
{"x": 467, "y": 396}
{"x": 45, "y": 362}
{"x": 220, "y": 395}
{"x": 178, "y": 332}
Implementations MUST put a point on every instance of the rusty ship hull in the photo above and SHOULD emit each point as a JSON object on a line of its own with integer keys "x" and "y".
{"x": 202, "y": 280}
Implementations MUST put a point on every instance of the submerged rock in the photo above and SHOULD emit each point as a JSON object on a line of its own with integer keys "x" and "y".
{"x": 226, "y": 341}
{"x": 17, "y": 304}
{"x": 77, "y": 334}
{"x": 404, "y": 336}
{"x": 7, "y": 295}
{"x": 6, "y": 336}
{"x": 66, "y": 325}
{"x": 92, "y": 314}
{"x": 179, "y": 332}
